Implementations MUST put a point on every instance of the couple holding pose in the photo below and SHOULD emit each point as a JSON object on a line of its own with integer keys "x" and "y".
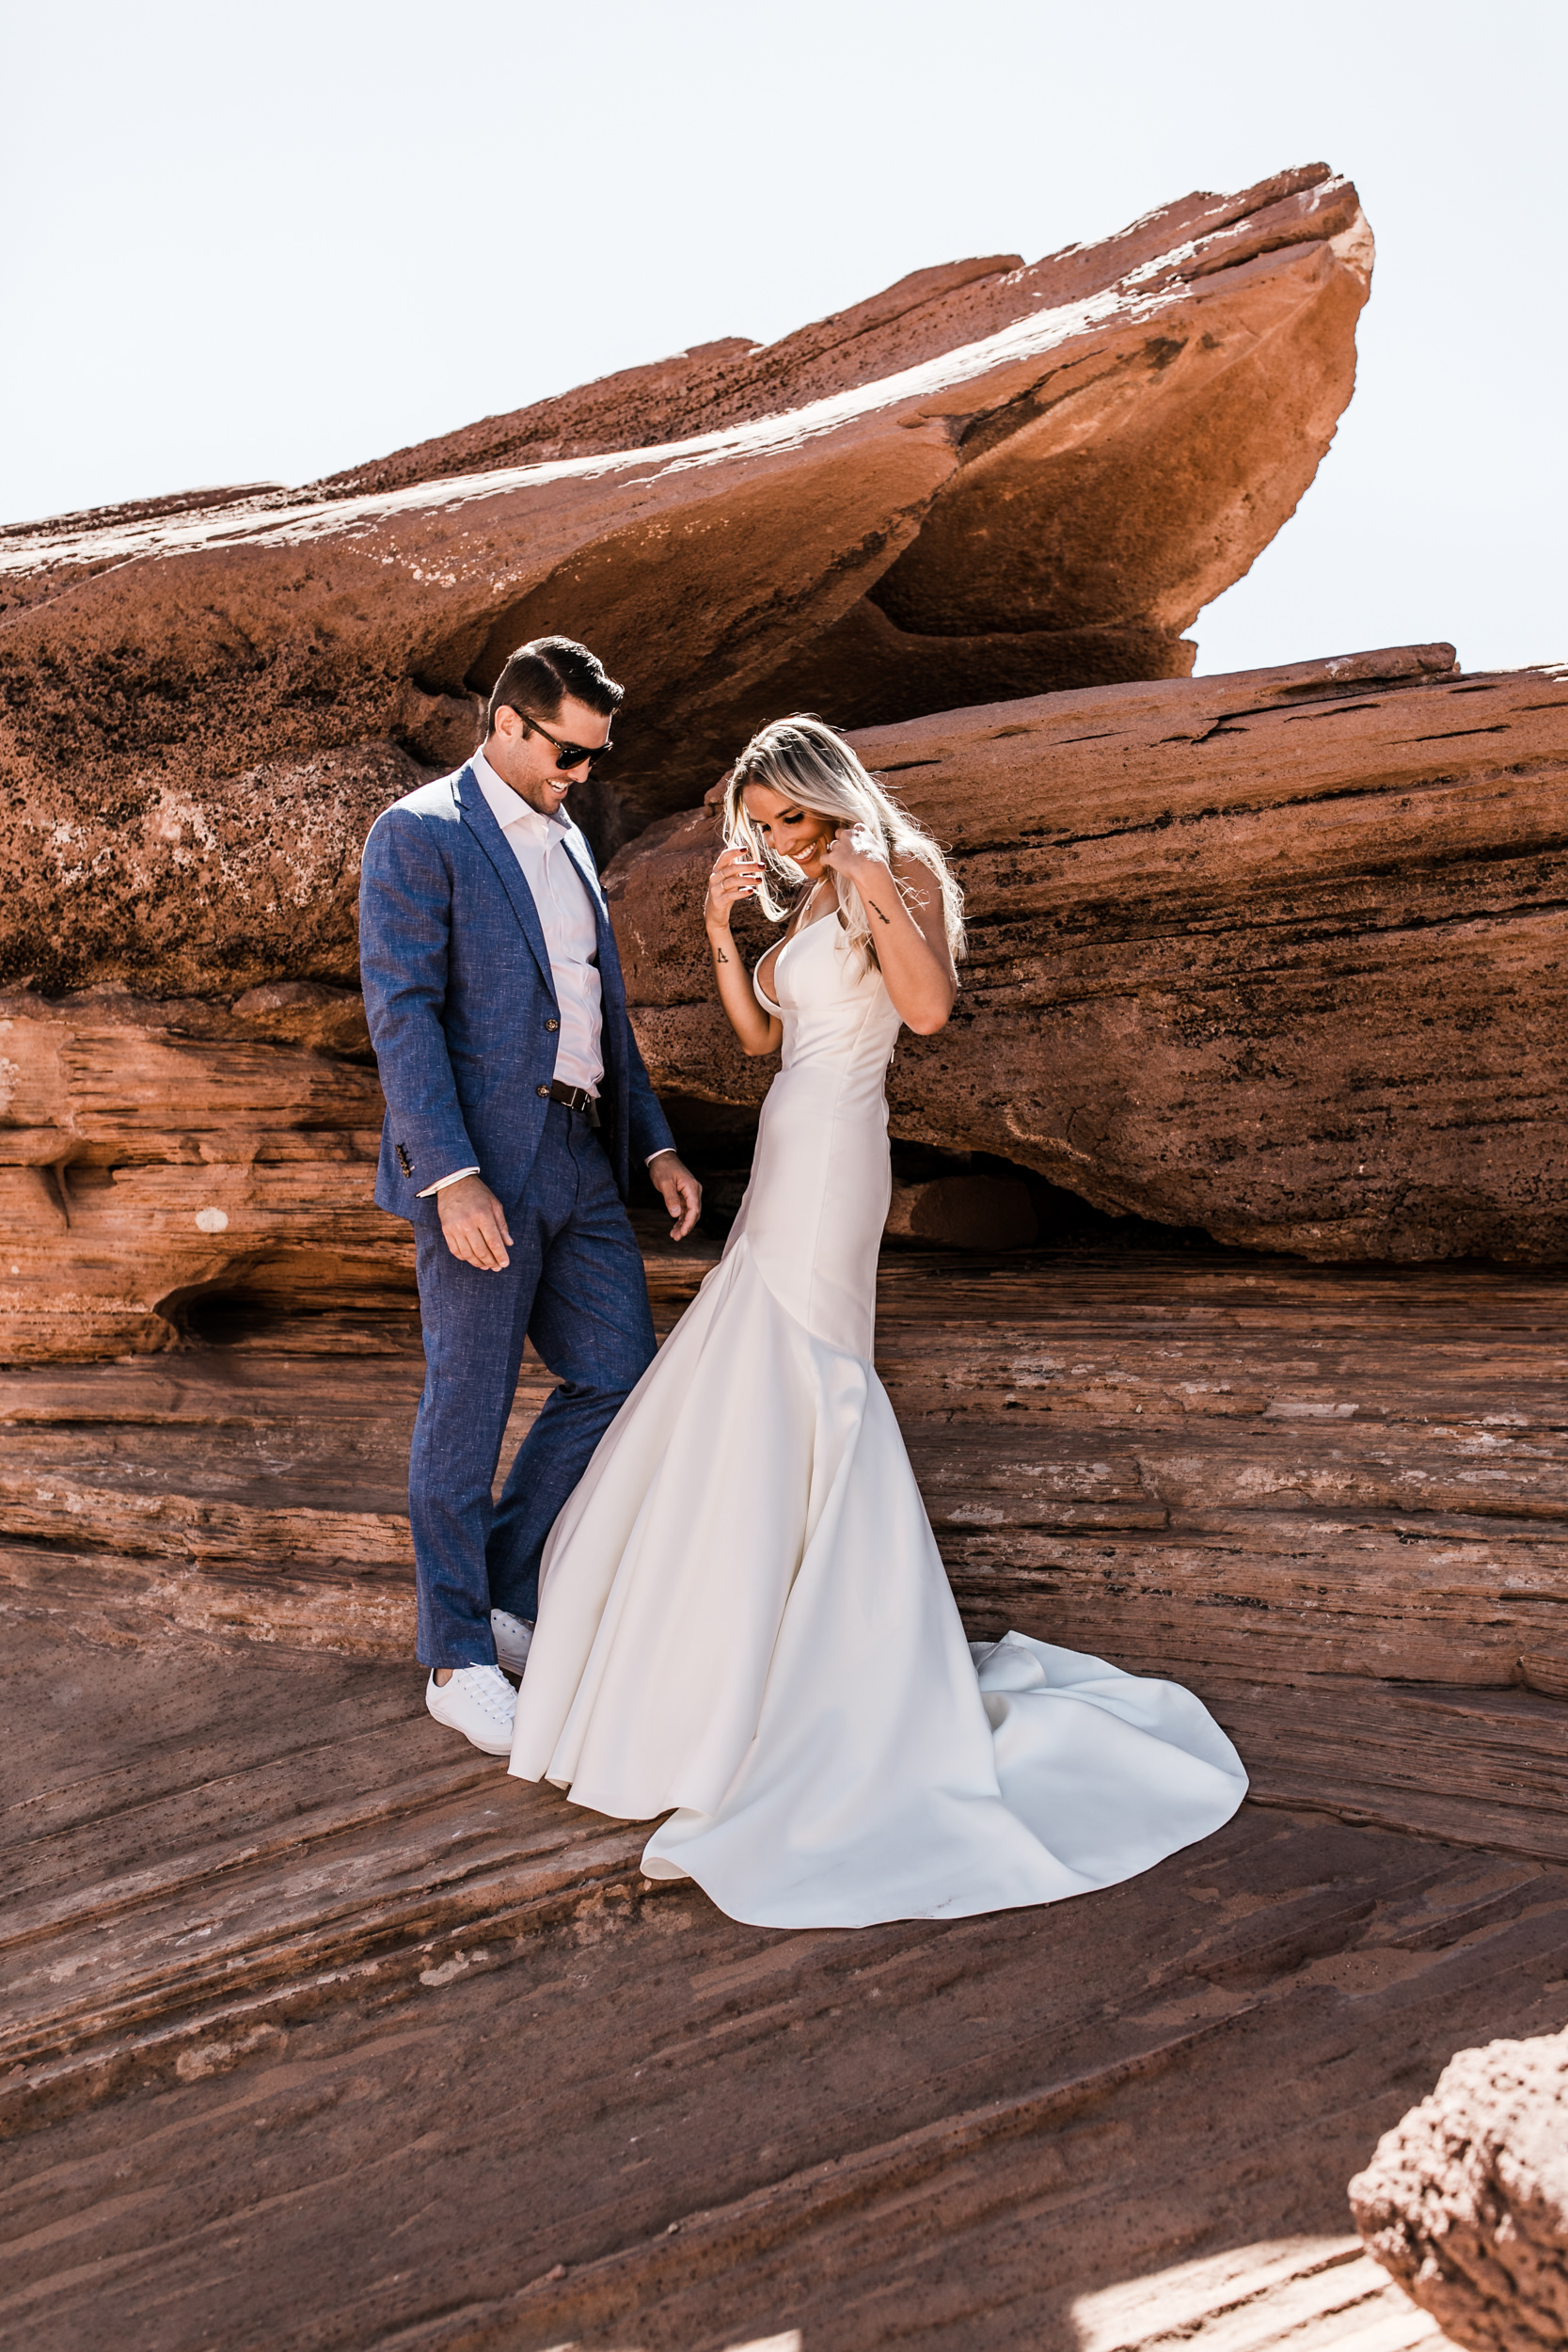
{"x": 712, "y": 1567}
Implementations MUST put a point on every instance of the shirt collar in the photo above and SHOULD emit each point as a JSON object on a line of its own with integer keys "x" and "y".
{"x": 510, "y": 809}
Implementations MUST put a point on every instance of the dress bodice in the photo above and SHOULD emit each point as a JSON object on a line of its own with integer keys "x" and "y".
{"x": 833, "y": 1012}
{"x": 813, "y": 1211}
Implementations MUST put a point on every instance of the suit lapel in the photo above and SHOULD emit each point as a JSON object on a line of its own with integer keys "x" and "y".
{"x": 479, "y": 818}
{"x": 577, "y": 851}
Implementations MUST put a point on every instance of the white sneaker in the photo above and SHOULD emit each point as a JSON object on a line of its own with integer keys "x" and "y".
{"x": 512, "y": 1637}
{"x": 479, "y": 1702}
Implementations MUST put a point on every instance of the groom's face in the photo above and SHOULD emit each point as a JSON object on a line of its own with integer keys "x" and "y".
{"x": 526, "y": 760}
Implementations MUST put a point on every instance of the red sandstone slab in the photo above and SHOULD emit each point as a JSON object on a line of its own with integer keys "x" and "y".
{"x": 1278, "y": 955}
{"x": 992, "y": 481}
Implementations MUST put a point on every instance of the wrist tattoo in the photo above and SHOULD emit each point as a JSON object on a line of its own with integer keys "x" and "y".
{"x": 718, "y": 956}
{"x": 876, "y": 910}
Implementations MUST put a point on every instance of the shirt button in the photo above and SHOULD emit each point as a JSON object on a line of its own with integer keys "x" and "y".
{"x": 552, "y": 1025}
{"x": 541, "y": 1090}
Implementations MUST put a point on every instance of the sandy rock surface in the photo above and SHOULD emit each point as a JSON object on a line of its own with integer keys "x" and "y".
{"x": 988, "y": 481}
{"x": 1278, "y": 954}
{"x": 409, "y": 1986}
{"x": 298, "y": 1989}
{"x": 1466, "y": 2201}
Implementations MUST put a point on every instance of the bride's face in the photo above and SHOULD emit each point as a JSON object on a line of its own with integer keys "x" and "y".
{"x": 789, "y": 829}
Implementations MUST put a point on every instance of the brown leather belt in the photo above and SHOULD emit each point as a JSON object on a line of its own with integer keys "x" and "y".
{"x": 574, "y": 1098}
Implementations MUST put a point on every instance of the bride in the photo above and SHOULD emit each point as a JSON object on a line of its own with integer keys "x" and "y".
{"x": 744, "y": 1622}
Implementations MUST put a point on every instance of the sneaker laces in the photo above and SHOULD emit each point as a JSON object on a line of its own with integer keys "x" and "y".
{"x": 490, "y": 1687}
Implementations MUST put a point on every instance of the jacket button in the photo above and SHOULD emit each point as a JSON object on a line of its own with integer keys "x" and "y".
{"x": 552, "y": 1025}
{"x": 541, "y": 1090}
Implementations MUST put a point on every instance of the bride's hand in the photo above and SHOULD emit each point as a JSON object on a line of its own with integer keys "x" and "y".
{"x": 856, "y": 854}
{"x": 736, "y": 875}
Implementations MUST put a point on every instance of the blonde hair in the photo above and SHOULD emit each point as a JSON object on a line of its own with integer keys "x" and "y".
{"x": 804, "y": 759}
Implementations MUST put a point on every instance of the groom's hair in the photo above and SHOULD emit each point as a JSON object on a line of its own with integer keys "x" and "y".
{"x": 540, "y": 672}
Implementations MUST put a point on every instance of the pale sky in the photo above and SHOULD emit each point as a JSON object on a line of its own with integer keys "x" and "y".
{"x": 258, "y": 242}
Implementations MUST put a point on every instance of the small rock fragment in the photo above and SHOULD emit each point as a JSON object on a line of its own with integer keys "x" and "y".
{"x": 1466, "y": 2201}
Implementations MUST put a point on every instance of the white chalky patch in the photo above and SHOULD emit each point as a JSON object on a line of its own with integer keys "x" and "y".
{"x": 211, "y": 1220}
{"x": 447, "y": 1971}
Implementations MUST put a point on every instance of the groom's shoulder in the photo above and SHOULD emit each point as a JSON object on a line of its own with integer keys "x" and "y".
{"x": 441, "y": 801}
{"x": 434, "y": 804}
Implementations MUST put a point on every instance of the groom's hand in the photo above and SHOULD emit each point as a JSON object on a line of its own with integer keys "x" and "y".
{"x": 474, "y": 1224}
{"x": 678, "y": 1188}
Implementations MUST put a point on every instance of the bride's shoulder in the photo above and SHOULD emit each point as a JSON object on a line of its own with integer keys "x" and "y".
{"x": 911, "y": 867}
{"x": 917, "y": 878}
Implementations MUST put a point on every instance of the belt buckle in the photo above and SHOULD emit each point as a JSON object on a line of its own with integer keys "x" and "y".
{"x": 576, "y": 1099}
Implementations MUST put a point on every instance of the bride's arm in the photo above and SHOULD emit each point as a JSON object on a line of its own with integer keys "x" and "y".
{"x": 735, "y": 876}
{"x": 909, "y": 929}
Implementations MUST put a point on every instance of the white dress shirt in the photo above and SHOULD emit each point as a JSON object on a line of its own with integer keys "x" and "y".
{"x": 571, "y": 937}
{"x": 567, "y": 918}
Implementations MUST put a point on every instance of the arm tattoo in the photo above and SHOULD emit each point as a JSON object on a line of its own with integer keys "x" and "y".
{"x": 720, "y": 955}
{"x": 876, "y": 910}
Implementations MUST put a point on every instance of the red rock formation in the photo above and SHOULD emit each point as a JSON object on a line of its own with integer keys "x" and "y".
{"x": 1466, "y": 2201}
{"x": 152, "y": 1151}
{"x": 1280, "y": 954}
{"x": 988, "y": 480}
{"x": 1305, "y": 990}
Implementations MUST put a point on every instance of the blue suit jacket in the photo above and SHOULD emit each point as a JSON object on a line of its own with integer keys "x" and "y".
{"x": 461, "y": 1006}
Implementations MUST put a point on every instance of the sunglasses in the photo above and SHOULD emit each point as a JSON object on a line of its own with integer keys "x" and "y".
{"x": 567, "y": 755}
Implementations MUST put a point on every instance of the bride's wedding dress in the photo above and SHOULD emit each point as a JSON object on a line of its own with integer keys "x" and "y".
{"x": 744, "y": 1620}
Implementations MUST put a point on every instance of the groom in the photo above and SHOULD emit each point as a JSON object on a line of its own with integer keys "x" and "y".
{"x": 516, "y": 1104}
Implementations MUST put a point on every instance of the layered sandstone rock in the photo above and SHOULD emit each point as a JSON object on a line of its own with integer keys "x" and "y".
{"x": 237, "y": 1845}
{"x": 1466, "y": 2201}
{"x": 150, "y": 1153}
{"x": 990, "y": 480}
{"x": 1281, "y": 955}
{"x": 266, "y": 1923}
{"x": 1278, "y": 955}
{"x": 1333, "y": 1500}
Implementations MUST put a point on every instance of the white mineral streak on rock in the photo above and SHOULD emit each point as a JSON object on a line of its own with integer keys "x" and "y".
{"x": 264, "y": 516}
{"x": 1355, "y": 245}
{"x": 249, "y": 518}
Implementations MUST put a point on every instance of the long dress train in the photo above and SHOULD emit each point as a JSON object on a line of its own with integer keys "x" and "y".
{"x": 744, "y": 1621}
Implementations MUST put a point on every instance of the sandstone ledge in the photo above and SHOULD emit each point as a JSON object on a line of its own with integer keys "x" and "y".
{"x": 1002, "y": 481}
{"x": 246, "y": 1976}
{"x": 1228, "y": 1474}
{"x": 152, "y": 1152}
{"x": 1280, "y": 954}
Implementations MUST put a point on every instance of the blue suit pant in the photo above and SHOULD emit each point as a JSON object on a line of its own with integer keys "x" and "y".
{"x": 576, "y": 1288}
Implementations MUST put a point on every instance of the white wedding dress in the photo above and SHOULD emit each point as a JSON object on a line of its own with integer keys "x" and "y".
{"x": 744, "y": 1621}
